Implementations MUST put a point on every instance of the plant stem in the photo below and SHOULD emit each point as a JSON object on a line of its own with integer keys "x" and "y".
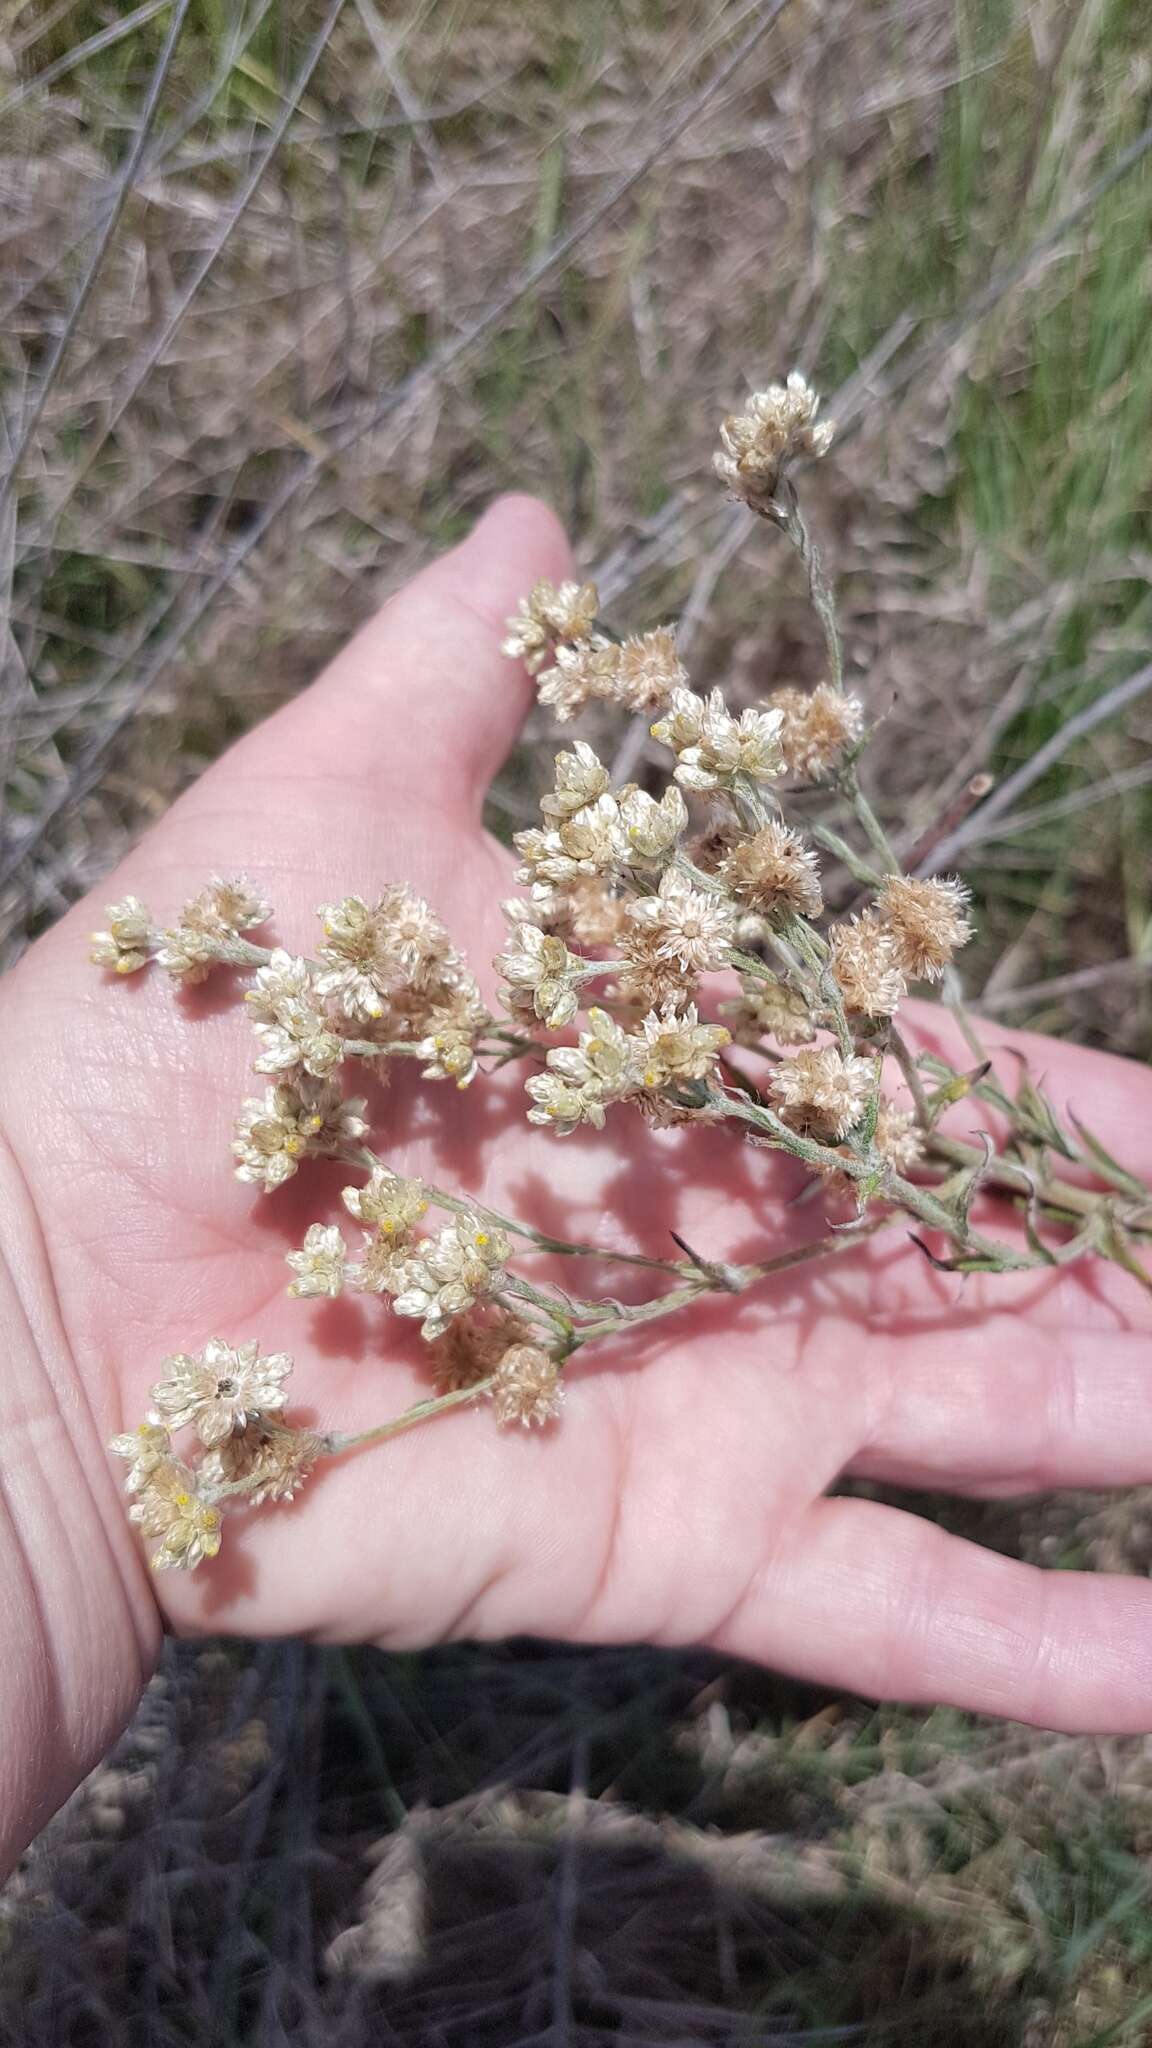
{"x": 372, "y": 1049}
{"x": 786, "y": 514}
{"x": 849, "y": 783}
{"x": 813, "y": 951}
{"x": 336, "y": 1443}
{"x": 1003, "y": 1173}
{"x": 919, "y": 1202}
{"x": 833, "y": 843}
{"x": 736, "y": 1280}
{"x": 463, "y": 1205}
{"x": 902, "y": 1055}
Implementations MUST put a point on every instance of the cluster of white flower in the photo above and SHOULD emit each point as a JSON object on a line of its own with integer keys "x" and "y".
{"x": 208, "y": 933}
{"x": 393, "y": 972}
{"x": 230, "y": 1398}
{"x": 712, "y": 747}
{"x": 130, "y": 939}
{"x": 291, "y": 1022}
{"x": 556, "y": 625}
{"x": 389, "y": 1206}
{"x": 431, "y": 1278}
{"x": 638, "y": 674}
{"x": 609, "y": 1064}
{"x": 624, "y": 890}
{"x": 295, "y": 1120}
{"x": 451, "y": 1272}
{"x": 543, "y": 978}
{"x": 592, "y": 829}
{"x": 775, "y": 427}
{"x": 549, "y": 617}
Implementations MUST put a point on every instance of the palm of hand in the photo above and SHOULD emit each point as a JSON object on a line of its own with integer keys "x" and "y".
{"x": 682, "y": 1498}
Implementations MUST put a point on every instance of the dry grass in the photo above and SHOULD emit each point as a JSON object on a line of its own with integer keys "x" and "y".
{"x": 364, "y": 266}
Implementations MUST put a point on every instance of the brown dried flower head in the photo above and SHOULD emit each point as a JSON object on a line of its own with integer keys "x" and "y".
{"x": 898, "y": 1139}
{"x": 928, "y": 921}
{"x": 817, "y": 728}
{"x": 709, "y": 848}
{"x": 526, "y": 1388}
{"x": 591, "y": 915}
{"x": 263, "y": 1462}
{"x": 686, "y": 926}
{"x": 649, "y": 979}
{"x": 648, "y": 670}
{"x": 473, "y": 1345}
{"x": 822, "y": 1093}
{"x": 865, "y": 961}
{"x": 774, "y": 870}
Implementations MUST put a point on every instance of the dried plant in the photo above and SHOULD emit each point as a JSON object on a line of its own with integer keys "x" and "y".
{"x": 639, "y": 924}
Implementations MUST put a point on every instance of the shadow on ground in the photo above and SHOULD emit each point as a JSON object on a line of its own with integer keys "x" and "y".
{"x": 490, "y": 1845}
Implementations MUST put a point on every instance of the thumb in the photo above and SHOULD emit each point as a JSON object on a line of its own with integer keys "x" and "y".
{"x": 423, "y": 688}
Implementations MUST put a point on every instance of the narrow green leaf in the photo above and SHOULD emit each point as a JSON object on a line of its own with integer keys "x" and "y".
{"x": 1110, "y": 1168}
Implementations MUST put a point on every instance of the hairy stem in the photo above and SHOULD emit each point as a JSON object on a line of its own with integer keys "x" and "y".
{"x": 731, "y": 1280}
{"x": 336, "y": 1442}
{"x": 849, "y": 782}
{"x": 903, "y": 1057}
{"x": 541, "y": 1241}
{"x": 833, "y": 843}
{"x": 1002, "y": 1173}
{"x": 786, "y": 514}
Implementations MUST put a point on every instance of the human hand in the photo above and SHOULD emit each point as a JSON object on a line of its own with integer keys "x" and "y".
{"x": 682, "y": 1499}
